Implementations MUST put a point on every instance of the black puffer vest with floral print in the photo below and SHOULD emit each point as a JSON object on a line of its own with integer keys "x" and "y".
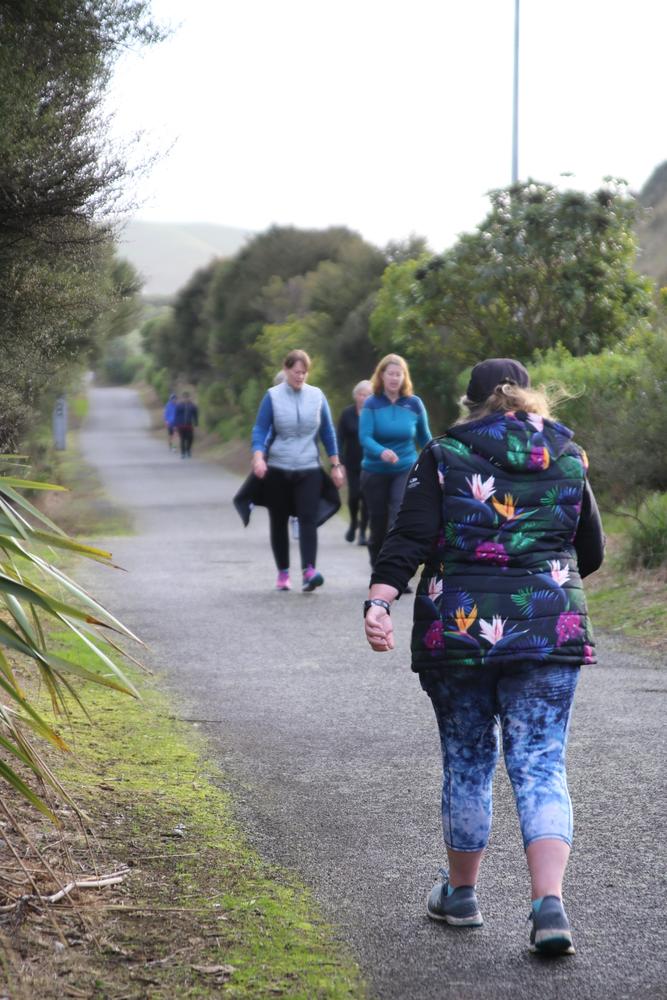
{"x": 502, "y": 584}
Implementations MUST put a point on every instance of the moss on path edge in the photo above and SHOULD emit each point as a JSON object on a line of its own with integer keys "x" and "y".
{"x": 200, "y": 914}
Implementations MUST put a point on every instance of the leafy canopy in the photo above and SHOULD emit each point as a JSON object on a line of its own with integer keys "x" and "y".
{"x": 545, "y": 267}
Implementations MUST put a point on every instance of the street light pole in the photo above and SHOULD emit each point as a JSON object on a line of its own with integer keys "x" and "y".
{"x": 515, "y": 103}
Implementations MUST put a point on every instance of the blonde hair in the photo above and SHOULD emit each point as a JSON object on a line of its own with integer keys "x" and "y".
{"x": 507, "y": 397}
{"x": 392, "y": 359}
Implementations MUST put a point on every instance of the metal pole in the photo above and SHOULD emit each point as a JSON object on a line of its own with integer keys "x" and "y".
{"x": 515, "y": 103}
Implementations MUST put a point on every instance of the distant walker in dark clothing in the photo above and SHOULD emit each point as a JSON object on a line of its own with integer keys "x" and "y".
{"x": 351, "y": 455}
{"x": 186, "y": 418}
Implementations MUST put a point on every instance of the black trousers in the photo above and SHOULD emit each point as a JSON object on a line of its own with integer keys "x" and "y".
{"x": 355, "y": 500}
{"x": 294, "y": 493}
{"x": 383, "y": 493}
{"x": 186, "y": 434}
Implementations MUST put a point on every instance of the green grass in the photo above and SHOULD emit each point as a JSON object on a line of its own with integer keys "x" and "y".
{"x": 199, "y": 898}
{"x": 85, "y": 510}
{"x": 265, "y": 921}
{"x": 78, "y": 408}
{"x": 624, "y": 610}
{"x": 631, "y": 603}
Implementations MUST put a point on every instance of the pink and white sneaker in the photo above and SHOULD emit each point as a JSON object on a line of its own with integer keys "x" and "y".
{"x": 283, "y": 580}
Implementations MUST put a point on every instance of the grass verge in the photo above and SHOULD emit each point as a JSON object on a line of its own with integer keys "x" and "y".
{"x": 200, "y": 913}
{"x": 630, "y": 603}
{"x": 85, "y": 511}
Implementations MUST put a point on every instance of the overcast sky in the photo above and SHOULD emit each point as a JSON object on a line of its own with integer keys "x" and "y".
{"x": 388, "y": 116}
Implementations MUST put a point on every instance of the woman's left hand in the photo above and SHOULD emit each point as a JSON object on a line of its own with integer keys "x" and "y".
{"x": 338, "y": 476}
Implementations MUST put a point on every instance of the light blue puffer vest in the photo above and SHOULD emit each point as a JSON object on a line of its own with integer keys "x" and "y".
{"x": 296, "y": 424}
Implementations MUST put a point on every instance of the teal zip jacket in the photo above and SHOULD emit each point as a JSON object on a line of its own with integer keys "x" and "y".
{"x": 383, "y": 424}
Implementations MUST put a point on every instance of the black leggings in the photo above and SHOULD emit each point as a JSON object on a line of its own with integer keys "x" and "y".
{"x": 294, "y": 493}
{"x": 383, "y": 493}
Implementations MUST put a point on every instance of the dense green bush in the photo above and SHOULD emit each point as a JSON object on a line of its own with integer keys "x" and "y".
{"x": 119, "y": 364}
{"x": 617, "y": 411}
{"x": 161, "y": 381}
{"x": 214, "y": 404}
{"x": 545, "y": 267}
{"x": 647, "y": 538}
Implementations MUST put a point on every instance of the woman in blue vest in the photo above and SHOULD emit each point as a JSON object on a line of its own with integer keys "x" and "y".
{"x": 501, "y": 513}
{"x": 289, "y": 421}
{"x": 392, "y": 422}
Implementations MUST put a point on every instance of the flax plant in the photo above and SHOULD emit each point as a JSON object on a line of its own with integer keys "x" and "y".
{"x": 34, "y": 594}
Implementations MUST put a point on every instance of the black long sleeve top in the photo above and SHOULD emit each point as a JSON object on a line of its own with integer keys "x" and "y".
{"x": 349, "y": 446}
{"x": 416, "y": 528}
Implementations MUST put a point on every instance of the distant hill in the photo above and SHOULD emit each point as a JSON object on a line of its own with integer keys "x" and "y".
{"x": 652, "y": 228}
{"x": 167, "y": 253}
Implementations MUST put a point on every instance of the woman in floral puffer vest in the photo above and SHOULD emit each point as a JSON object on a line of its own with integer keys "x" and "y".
{"x": 501, "y": 513}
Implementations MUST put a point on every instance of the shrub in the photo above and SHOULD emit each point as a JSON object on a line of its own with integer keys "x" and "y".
{"x": 617, "y": 412}
{"x": 118, "y": 364}
{"x": 250, "y": 399}
{"x": 215, "y": 404}
{"x": 646, "y": 545}
{"x": 231, "y": 428}
{"x": 34, "y": 592}
{"x": 161, "y": 381}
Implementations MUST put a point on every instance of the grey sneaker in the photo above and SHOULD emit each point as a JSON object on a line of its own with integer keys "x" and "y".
{"x": 550, "y": 931}
{"x": 459, "y": 909}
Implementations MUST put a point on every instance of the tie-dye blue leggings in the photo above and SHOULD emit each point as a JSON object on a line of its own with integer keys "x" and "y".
{"x": 531, "y": 705}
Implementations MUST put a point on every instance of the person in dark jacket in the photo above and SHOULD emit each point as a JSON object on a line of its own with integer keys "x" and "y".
{"x": 502, "y": 515}
{"x": 186, "y": 418}
{"x": 351, "y": 454}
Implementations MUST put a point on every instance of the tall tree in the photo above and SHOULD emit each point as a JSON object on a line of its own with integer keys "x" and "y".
{"x": 284, "y": 276}
{"x": 545, "y": 267}
{"x": 179, "y": 341}
{"x": 60, "y": 184}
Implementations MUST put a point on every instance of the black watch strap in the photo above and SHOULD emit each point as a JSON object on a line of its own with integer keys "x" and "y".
{"x": 379, "y": 602}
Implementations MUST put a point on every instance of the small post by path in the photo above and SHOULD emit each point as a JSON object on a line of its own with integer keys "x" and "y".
{"x": 60, "y": 423}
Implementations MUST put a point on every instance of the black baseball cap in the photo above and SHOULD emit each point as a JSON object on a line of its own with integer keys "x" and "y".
{"x": 486, "y": 375}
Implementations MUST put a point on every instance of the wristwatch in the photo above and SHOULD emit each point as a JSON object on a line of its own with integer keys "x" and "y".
{"x": 379, "y": 602}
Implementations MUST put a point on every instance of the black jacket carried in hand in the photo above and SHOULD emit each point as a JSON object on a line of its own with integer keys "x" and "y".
{"x": 256, "y": 492}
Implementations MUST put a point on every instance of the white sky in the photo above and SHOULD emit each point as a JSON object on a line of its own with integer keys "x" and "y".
{"x": 388, "y": 116}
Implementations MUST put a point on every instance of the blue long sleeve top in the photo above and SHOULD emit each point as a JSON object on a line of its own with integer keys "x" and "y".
{"x": 399, "y": 426}
{"x": 170, "y": 411}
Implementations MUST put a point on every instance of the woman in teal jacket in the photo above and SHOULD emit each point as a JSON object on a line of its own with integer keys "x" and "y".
{"x": 391, "y": 422}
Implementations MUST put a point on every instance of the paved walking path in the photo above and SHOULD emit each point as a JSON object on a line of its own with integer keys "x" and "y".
{"x": 332, "y": 753}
